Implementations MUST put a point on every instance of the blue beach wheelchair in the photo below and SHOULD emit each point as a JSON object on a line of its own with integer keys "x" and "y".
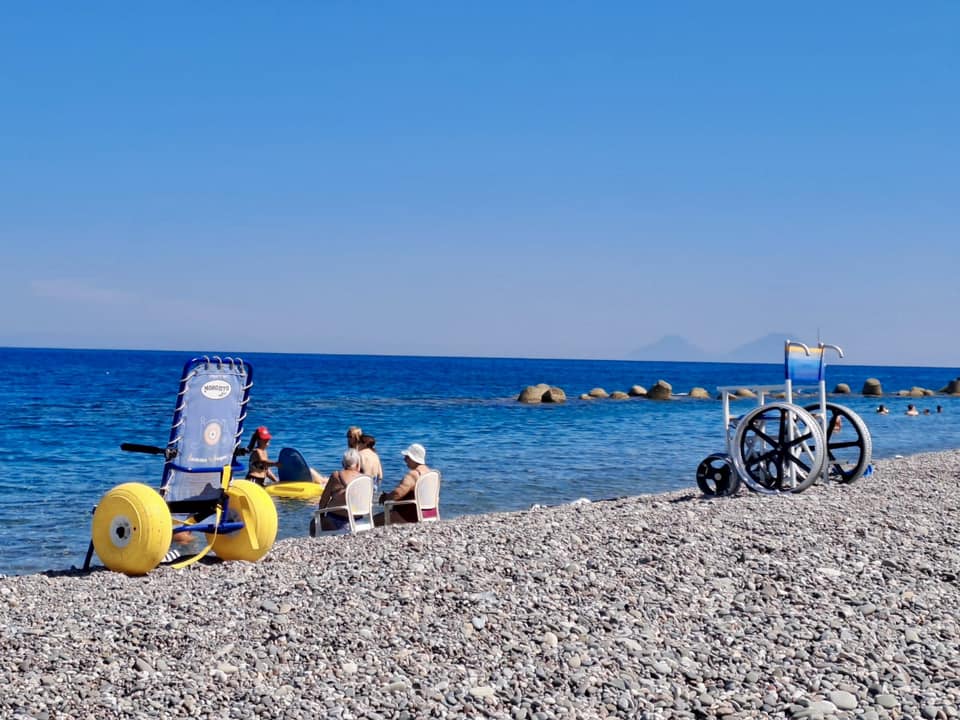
{"x": 780, "y": 446}
{"x": 134, "y": 525}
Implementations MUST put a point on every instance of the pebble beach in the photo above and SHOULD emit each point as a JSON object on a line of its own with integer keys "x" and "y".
{"x": 843, "y": 601}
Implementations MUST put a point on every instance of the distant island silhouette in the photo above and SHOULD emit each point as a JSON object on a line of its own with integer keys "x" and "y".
{"x": 766, "y": 349}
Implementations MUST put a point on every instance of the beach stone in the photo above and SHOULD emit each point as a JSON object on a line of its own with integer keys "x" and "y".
{"x": 619, "y": 395}
{"x": 554, "y": 395}
{"x": 841, "y": 389}
{"x": 952, "y": 387}
{"x": 533, "y": 394}
{"x": 843, "y": 700}
{"x": 598, "y": 392}
{"x": 662, "y": 390}
{"x": 699, "y": 393}
{"x": 816, "y": 709}
{"x": 662, "y": 667}
{"x": 637, "y": 391}
{"x": 872, "y": 388}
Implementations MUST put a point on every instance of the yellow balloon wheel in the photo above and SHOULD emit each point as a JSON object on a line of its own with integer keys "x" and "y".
{"x": 132, "y": 528}
{"x": 250, "y": 504}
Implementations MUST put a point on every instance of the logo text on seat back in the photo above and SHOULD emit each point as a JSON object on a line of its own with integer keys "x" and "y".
{"x": 215, "y": 389}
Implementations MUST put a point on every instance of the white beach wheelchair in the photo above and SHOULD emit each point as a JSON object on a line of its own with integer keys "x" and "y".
{"x": 780, "y": 446}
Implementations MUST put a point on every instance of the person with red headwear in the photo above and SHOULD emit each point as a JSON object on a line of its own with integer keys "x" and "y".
{"x": 259, "y": 470}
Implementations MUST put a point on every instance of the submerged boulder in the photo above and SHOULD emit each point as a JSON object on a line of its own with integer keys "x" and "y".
{"x": 699, "y": 393}
{"x": 952, "y": 387}
{"x": 598, "y": 393}
{"x": 554, "y": 395}
{"x": 619, "y": 395}
{"x": 661, "y": 391}
{"x": 533, "y": 393}
{"x": 841, "y": 389}
{"x": 637, "y": 391}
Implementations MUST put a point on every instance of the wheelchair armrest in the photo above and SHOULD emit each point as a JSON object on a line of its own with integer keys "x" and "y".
{"x": 387, "y": 503}
{"x": 326, "y": 510}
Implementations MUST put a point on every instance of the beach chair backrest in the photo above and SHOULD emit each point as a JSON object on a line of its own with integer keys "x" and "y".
{"x": 801, "y": 368}
{"x": 359, "y": 502}
{"x": 207, "y": 425}
{"x": 427, "y": 495}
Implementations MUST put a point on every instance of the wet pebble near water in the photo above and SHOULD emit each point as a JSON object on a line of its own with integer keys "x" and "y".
{"x": 840, "y": 602}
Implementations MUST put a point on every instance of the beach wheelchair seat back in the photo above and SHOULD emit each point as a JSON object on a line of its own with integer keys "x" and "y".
{"x": 206, "y": 428}
{"x": 293, "y": 467}
{"x": 801, "y": 367}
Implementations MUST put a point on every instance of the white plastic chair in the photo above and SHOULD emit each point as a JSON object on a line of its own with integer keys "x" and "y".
{"x": 426, "y": 497}
{"x": 359, "y": 507}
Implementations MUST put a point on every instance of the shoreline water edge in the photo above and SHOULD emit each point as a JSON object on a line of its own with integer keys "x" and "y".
{"x": 842, "y": 601}
{"x": 69, "y": 413}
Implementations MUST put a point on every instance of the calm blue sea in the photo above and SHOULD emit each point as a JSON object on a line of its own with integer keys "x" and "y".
{"x": 65, "y": 413}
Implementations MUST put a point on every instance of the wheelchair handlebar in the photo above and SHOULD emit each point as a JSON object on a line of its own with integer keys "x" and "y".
{"x": 168, "y": 453}
{"x": 824, "y": 346}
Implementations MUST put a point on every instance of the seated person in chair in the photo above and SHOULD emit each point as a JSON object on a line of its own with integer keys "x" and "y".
{"x": 415, "y": 458}
{"x": 335, "y": 492}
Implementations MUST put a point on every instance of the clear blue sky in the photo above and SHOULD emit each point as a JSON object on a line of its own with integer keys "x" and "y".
{"x": 541, "y": 179}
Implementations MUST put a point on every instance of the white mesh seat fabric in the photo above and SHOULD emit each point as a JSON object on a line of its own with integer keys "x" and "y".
{"x": 359, "y": 507}
{"x": 426, "y": 498}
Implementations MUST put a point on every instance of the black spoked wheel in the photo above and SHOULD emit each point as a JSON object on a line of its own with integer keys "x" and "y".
{"x": 778, "y": 448}
{"x": 849, "y": 445}
{"x": 716, "y": 476}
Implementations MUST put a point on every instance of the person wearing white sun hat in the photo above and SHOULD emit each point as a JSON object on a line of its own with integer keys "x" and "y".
{"x": 415, "y": 456}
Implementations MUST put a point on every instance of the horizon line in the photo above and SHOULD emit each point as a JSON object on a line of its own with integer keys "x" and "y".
{"x": 198, "y": 353}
